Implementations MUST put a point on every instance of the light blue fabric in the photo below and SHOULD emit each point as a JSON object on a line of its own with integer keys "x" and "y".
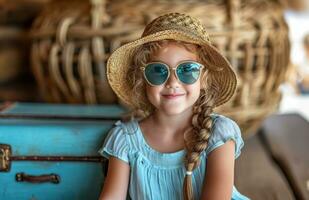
{"x": 159, "y": 176}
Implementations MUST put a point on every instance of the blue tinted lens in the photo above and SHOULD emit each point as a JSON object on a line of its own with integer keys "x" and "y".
{"x": 156, "y": 73}
{"x": 188, "y": 72}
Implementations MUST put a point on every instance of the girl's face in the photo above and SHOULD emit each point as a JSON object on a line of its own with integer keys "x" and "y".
{"x": 173, "y": 97}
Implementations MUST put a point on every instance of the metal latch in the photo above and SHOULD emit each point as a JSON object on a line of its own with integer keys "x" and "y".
{"x": 5, "y": 153}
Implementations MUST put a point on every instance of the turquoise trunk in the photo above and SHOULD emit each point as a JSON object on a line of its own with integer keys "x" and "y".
{"x": 49, "y": 151}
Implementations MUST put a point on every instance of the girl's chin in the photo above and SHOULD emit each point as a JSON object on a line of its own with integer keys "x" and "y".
{"x": 173, "y": 110}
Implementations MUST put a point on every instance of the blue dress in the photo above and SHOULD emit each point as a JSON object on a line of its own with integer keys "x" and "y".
{"x": 159, "y": 176}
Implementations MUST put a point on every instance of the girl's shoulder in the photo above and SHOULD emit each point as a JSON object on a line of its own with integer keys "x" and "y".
{"x": 224, "y": 129}
{"x": 125, "y": 132}
{"x": 118, "y": 142}
{"x": 126, "y": 127}
{"x": 220, "y": 120}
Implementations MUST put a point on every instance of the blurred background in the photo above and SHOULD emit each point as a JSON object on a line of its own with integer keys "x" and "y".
{"x": 55, "y": 51}
{"x": 295, "y": 89}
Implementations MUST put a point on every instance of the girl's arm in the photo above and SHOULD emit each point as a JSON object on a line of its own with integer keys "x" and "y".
{"x": 219, "y": 177}
{"x": 117, "y": 180}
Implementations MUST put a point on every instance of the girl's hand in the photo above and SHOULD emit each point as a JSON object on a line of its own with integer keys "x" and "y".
{"x": 116, "y": 183}
{"x": 219, "y": 177}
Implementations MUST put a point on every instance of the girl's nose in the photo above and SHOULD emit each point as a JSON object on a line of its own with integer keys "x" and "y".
{"x": 172, "y": 81}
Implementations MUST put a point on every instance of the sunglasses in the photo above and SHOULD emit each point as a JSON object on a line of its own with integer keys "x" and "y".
{"x": 157, "y": 73}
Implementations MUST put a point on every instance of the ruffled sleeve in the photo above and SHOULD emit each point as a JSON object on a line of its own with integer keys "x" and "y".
{"x": 225, "y": 129}
{"x": 115, "y": 144}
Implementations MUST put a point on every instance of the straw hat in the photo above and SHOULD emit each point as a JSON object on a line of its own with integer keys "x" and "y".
{"x": 173, "y": 26}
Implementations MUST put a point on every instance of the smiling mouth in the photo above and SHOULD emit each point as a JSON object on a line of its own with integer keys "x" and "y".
{"x": 172, "y": 96}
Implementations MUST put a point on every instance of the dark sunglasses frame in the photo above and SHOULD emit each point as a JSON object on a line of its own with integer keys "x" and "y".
{"x": 169, "y": 71}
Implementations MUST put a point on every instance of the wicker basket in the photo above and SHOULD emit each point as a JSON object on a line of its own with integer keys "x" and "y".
{"x": 72, "y": 40}
{"x": 13, "y": 53}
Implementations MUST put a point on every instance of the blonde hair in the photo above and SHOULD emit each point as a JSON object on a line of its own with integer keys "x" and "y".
{"x": 196, "y": 137}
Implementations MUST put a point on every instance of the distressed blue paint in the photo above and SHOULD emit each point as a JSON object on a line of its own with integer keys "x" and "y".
{"x": 45, "y": 137}
{"x": 50, "y": 137}
{"x": 79, "y": 181}
{"x": 65, "y": 110}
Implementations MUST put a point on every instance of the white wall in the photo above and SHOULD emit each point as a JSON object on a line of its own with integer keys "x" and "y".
{"x": 298, "y": 23}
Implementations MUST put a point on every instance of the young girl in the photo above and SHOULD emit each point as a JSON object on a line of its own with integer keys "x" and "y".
{"x": 178, "y": 148}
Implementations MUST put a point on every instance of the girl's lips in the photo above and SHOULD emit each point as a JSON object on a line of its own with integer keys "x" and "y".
{"x": 172, "y": 96}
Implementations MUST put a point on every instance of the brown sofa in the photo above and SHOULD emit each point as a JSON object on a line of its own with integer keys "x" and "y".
{"x": 275, "y": 163}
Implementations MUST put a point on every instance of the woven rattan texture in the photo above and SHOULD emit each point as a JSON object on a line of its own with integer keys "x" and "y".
{"x": 73, "y": 39}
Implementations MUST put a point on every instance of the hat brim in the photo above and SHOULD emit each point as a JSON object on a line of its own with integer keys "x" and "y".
{"x": 119, "y": 61}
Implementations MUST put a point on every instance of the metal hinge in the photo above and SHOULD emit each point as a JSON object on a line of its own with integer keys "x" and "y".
{"x": 5, "y": 153}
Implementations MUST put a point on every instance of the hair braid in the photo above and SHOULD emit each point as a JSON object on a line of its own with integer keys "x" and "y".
{"x": 201, "y": 121}
{"x": 200, "y": 134}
